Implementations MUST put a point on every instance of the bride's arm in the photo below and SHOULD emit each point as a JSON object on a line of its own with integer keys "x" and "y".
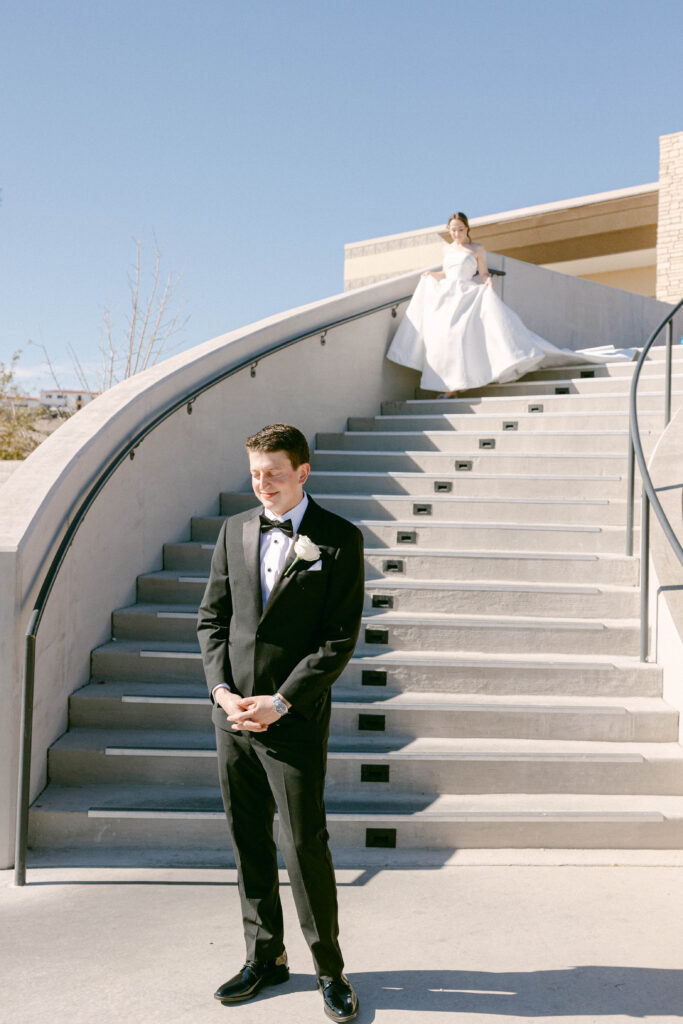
{"x": 480, "y": 256}
{"x": 438, "y": 274}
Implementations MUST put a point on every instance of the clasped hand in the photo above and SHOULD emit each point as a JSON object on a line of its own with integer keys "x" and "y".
{"x": 252, "y": 714}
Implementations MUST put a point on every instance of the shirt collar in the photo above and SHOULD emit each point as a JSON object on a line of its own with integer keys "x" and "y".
{"x": 296, "y": 514}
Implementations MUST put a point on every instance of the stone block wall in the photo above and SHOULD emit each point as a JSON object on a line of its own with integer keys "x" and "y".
{"x": 670, "y": 219}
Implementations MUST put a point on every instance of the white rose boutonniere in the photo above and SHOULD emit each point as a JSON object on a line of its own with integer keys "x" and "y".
{"x": 305, "y": 551}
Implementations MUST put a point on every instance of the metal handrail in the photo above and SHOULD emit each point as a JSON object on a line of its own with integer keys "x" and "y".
{"x": 125, "y": 450}
{"x": 649, "y": 494}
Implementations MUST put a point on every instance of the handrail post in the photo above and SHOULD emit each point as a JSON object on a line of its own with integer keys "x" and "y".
{"x": 667, "y": 380}
{"x": 644, "y": 576}
{"x": 25, "y": 746}
{"x": 630, "y": 493}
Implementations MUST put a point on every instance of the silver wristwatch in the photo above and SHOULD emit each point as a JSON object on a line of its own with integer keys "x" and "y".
{"x": 279, "y": 704}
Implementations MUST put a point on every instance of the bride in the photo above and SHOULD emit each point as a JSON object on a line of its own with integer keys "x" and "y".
{"x": 461, "y": 335}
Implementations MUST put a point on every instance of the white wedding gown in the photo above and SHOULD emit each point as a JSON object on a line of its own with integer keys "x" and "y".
{"x": 461, "y": 335}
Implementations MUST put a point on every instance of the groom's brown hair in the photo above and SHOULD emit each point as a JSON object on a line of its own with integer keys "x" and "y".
{"x": 280, "y": 437}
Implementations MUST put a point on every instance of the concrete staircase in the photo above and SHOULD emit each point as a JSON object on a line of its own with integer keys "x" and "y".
{"x": 495, "y": 698}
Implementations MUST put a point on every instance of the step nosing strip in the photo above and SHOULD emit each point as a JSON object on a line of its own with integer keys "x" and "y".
{"x": 170, "y": 654}
{"x": 158, "y": 813}
{"x": 401, "y": 819}
{"x": 455, "y": 586}
{"x": 442, "y": 755}
{"x": 491, "y": 433}
{"x": 394, "y": 658}
{"x": 176, "y": 615}
{"x": 477, "y": 455}
{"x": 498, "y": 816}
{"x": 445, "y": 708}
{"x": 403, "y": 755}
{"x": 388, "y": 619}
{"x": 396, "y": 475}
{"x": 440, "y": 499}
{"x": 446, "y": 525}
{"x": 544, "y": 556}
{"x": 149, "y": 699}
{"x": 159, "y": 752}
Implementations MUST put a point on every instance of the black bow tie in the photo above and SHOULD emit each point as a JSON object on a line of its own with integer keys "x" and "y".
{"x": 274, "y": 524}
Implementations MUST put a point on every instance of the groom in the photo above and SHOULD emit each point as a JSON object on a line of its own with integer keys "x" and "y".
{"x": 278, "y": 622}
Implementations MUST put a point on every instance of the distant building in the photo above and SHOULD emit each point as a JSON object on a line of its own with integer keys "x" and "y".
{"x": 27, "y": 403}
{"x": 630, "y": 238}
{"x": 68, "y": 400}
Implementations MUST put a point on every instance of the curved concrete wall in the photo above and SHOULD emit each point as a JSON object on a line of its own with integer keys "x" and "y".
{"x": 179, "y": 470}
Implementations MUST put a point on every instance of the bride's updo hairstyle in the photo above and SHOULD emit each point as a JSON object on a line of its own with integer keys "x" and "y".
{"x": 460, "y": 216}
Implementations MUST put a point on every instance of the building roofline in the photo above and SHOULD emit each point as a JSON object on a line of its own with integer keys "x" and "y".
{"x": 525, "y": 211}
{"x": 69, "y": 391}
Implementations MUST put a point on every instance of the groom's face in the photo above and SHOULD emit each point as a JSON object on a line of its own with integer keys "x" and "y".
{"x": 277, "y": 485}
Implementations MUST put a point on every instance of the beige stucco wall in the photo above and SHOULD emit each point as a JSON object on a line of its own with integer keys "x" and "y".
{"x": 640, "y": 280}
{"x": 670, "y": 219}
{"x": 609, "y": 237}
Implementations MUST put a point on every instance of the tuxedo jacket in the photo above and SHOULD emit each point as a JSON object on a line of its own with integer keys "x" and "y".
{"x": 300, "y": 642}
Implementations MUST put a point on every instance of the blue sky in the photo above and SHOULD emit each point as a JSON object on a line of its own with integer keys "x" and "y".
{"x": 254, "y": 139}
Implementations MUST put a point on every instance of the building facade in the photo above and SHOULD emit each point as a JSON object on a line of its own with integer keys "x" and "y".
{"x": 628, "y": 238}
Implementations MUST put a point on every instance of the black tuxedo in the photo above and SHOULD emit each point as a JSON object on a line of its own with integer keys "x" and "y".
{"x": 297, "y": 645}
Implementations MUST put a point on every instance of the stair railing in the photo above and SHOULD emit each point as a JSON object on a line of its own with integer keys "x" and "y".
{"x": 125, "y": 450}
{"x": 649, "y": 494}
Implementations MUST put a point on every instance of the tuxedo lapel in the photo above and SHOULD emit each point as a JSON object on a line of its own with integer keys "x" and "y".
{"x": 251, "y": 545}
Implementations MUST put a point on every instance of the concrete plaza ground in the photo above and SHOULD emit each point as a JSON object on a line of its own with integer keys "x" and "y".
{"x": 473, "y": 941}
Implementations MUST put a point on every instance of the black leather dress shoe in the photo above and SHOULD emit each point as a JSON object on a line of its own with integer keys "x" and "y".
{"x": 341, "y": 1002}
{"x": 254, "y": 976}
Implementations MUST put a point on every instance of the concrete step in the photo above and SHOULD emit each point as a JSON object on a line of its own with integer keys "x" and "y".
{"x": 189, "y": 557}
{"x": 416, "y": 765}
{"x": 469, "y": 484}
{"x": 408, "y": 631}
{"x": 530, "y": 566}
{"x": 522, "y": 423}
{"x": 498, "y": 633}
{"x": 458, "y": 442}
{"x": 554, "y": 463}
{"x": 493, "y": 536}
{"x": 576, "y": 386}
{"x": 459, "y": 507}
{"x": 194, "y": 558}
{"x": 658, "y": 352}
{"x": 372, "y": 669}
{"x": 531, "y": 673}
{"x": 178, "y": 825}
{"x": 139, "y": 706}
{"x": 623, "y": 370}
{"x": 651, "y": 398}
{"x": 507, "y": 598}
{"x": 490, "y": 536}
{"x": 174, "y": 588}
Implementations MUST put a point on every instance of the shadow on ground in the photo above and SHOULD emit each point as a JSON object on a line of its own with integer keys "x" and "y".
{"x": 590, "y": 991}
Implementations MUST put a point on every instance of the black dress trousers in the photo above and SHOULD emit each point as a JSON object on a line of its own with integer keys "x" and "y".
{"x": 283, "y": 767}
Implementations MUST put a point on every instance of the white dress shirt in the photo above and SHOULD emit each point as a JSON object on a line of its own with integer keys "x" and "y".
{"x": 275, "y": 546}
